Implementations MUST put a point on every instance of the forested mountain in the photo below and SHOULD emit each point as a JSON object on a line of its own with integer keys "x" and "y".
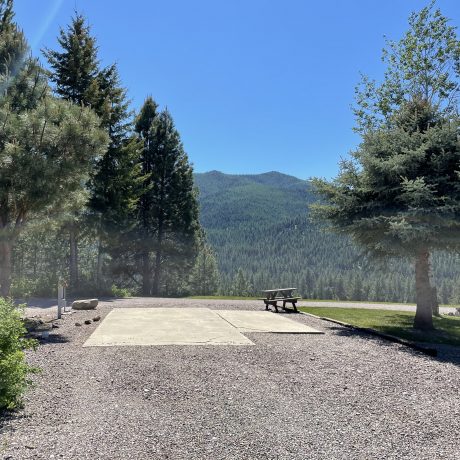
{"x": 260, "y": 223}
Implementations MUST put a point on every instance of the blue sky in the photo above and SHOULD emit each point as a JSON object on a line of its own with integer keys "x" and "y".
{"x": 253, "y": 85}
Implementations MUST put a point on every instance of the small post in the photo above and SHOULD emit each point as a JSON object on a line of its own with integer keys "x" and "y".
{"x": 61, "y": 298}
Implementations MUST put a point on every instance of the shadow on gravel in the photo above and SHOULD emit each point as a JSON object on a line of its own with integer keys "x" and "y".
{"x": 53, "y": 339}
{"x": 6, "y": 419}
{"x": 446, "y": 353}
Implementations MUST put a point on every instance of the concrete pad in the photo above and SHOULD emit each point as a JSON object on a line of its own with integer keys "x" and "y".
{"x": 264, "y": 321}
{"x": 164, "y": 326}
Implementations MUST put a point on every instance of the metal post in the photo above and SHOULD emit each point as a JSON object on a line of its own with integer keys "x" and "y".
{"x": 60, "y": 298}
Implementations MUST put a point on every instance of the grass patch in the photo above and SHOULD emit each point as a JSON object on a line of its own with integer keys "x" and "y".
{"x": 397, "y": 323}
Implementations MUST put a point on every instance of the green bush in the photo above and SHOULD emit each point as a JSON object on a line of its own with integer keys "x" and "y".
{"x": 120, "y": 292}
{"x": 14, "y": 370}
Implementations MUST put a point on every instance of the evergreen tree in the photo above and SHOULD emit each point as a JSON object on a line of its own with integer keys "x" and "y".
{"x": 75, "y": 73}
{"x": 116, "y": 186}
{"x": 143, "y": 127}
{"x": 204, "y": 279}
{"x": 241, "y": 285}
{"x": 46, "y": 145}
{"x": 400, "y": 193}
{"x": 168, "y": 208}
{"x": 76, "y": 66}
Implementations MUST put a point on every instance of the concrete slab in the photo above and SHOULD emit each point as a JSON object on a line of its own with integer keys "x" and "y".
{"x": 264, "y": 321}
{"x": 164, "y": 326}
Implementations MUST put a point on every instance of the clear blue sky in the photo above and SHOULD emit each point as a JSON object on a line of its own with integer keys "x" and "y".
{"x": 253, "y": 85}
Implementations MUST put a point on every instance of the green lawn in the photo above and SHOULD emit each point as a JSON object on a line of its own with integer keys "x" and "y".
{"x": 397, "y": 323}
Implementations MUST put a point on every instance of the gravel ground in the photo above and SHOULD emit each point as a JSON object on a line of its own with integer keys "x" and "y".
{"x": 341, "y": 395}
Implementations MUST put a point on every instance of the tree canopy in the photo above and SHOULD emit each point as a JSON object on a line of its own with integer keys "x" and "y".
{"x": 398, "y": 195}
{"x": 46, "y": 145}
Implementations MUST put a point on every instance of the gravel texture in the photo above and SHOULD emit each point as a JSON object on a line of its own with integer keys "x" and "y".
{"x": 341, "y": 395}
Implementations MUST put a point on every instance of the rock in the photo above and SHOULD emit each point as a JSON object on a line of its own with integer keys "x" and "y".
{"x": 77, "y": 324}
{"x": 32, "y": 324}
{"x": 87, "y": 321}
{"x": 88, "y": 304}
{"x": 96, "y": 318}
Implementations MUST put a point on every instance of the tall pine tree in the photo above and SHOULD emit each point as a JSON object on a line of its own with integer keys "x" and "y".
{"x": 116, "y": 185}
{"x": 75, "y": 70}
{"x": 168, "y": 208}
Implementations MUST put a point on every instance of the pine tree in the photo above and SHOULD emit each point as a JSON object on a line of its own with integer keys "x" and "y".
{"x": 204, "y": 279}
{"x": 46, "y": 145}
{"x": 75, "y": 73}
{"x": 241, "y": 285}
{"x": 76, "y": 66}
{"x": 399, "y": 195}
{"x": 168, "y": 208}
{"x": 116, "y": 185}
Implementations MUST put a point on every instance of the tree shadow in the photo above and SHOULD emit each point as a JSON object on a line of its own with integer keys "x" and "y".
{"x": 54, "y": 338}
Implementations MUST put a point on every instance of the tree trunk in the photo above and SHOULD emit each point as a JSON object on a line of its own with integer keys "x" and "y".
{"x": 146, "y": 274}
{"x": 73, "y": 263}
{"x": 6, "y": 251}
{"x": 424, "y": 294}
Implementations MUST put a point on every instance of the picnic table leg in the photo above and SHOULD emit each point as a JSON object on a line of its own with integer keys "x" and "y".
{"x": 266, "y": 305}
{"x": 276, "y": 306}
{"x": 295, "y": 308}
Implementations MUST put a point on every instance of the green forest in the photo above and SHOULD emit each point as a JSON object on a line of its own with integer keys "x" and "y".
{"x": 259, "y": 225}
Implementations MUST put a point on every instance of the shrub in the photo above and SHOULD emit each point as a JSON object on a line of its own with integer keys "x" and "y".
{"x": 14, "y": 370}
{"x": 120, "y": 292}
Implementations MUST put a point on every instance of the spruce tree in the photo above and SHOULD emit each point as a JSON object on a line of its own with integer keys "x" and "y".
{"x": 46, "y": 145}
{"x": 75, "y": 71}
{"x": 399, "y": 194}
{"x": 75, "y": 67}
{"x": 143, "y": 126}
{"x": 116, "y": 185}
{"x": 168, "y": 208}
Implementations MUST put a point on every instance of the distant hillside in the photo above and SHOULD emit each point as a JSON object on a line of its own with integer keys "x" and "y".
{"x": 260, "y": 223}
{"x": 263, "y": 198}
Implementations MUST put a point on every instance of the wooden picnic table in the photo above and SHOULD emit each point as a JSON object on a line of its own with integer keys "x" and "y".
{"x": 285, "y": 295}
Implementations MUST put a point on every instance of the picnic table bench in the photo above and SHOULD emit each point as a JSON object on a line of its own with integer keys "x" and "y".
{"x": 285, "y": 295}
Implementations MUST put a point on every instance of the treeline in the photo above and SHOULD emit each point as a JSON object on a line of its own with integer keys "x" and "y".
{"x": 91, "y": 194}
{"x": 321, "y": 266}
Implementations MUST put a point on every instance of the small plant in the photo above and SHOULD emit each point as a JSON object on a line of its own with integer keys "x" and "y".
{"x": 14, "y": 370}
{"x": 120, "y": 292}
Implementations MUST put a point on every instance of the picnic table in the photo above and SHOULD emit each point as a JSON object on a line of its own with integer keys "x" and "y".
{"x": 285, "y": 295}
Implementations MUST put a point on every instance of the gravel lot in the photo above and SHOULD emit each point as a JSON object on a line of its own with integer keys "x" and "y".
{"x": 341, "y": 395}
